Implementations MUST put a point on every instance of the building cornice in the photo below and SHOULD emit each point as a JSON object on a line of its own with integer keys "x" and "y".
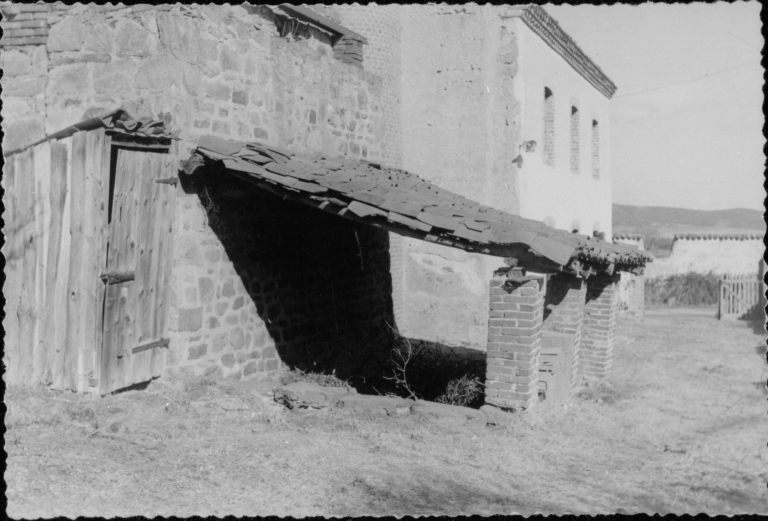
{"x": 539, "y": 21}
{"x": 718, "y": 237}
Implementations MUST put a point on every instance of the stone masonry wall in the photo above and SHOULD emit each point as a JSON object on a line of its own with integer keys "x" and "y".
{"x": 219, "y": 70}
{"x": 292, "y": 286}
{"x": 207, "y": 70}
{"x": 25, "y": 70}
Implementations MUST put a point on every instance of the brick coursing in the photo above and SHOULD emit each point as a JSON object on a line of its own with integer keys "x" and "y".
{"x": 381, "y": 26}
{"x": 564, "y": 312}
{"x": 575, "y": 141}
{"x": 595, "y": 149}
{"x": 599, "y": 327}
{"x": 548, "y": 139}
{"x": 514, "y": 340}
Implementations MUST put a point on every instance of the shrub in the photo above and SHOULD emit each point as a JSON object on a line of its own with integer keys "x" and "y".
{"x": 687, "y": 289}
{"x": 434, "y": 372}
{"x": 463, "y": 391}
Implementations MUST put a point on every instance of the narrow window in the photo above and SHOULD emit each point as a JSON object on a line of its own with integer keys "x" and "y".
{"x": 595, "y": 149}
{"x": 549, "y": 127}
{"x": 574, "y": 140}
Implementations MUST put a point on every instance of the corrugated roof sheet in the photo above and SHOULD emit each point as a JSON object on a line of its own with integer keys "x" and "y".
{"x": 118, "y": 123}
{"x": 407, "y": 204}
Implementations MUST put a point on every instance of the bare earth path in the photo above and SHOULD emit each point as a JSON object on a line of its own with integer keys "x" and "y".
{"x": 681, "y": 429}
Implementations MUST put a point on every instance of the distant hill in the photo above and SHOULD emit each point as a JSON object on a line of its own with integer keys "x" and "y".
{"x": 668, "y": 221}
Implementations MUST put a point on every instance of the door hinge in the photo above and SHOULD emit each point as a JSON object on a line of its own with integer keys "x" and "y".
{"x": 163, "y": 342}
{"x": 169, "y": 181}
{"x": 116, "y": 277}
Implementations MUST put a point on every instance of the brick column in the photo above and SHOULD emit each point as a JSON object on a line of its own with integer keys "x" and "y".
{"x": 599, "y": 327}
{"x": 563, "y": 312}
{"x": 514, "y": 339}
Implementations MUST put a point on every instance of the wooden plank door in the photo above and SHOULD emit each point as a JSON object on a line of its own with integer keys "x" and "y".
{"x": 138, "y": 270}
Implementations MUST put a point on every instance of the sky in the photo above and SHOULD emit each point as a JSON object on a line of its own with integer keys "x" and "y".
{"x": 686, "y": 120}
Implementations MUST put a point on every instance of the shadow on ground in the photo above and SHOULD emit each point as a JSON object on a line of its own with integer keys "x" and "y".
{"x": 438, "y": 494}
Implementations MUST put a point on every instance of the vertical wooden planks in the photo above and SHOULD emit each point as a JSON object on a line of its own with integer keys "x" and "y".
{"x": 163, "y": 256}
{"x": 41, "y": 159}
{"x": 27, "y": 310}
{"x": 106, "y": 155}
{"x": 94, "y": 222}
{"x": 142, "y": 284}
{"x": 61, "y": 298}
{"x": 12, "y": 285}
{"x": 76, "y": 336}
{"x": 120, "y": 302}
{"x": 55, "y": 295}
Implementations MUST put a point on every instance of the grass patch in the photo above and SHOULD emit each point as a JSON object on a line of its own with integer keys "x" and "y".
{"x": 323, "y": 380}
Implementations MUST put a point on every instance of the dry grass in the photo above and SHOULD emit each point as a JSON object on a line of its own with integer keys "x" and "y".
{"x": 675, "y": 430}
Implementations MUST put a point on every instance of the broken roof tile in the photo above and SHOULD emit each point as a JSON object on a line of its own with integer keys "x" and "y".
{"x": 438, "y": 221}
{"x": 411, "y": 223}
{"x": 364, "y": 210}
{"x": 412, "y": 203}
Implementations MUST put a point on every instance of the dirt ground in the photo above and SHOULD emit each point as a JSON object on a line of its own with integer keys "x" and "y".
{"x": 676, "y": 430}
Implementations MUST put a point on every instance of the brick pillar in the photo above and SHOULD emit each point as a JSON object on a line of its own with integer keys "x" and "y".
{"x": 514, "y": 339}
{"x": 563, "y": 312}
{"x": 599, "y": 326}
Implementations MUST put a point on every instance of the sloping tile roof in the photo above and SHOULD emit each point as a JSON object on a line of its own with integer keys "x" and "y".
{"x": 405, "y": 203}
{"x": 118, "y": 123}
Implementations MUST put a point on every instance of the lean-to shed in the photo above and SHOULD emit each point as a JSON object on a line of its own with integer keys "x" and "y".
{"x": 114, "y": 279}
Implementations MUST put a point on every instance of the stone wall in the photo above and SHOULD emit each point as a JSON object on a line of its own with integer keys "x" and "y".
{"x": 261, "y": 283}
{"x": 225, "y": 71}
{"x": 25, "y": 71}
{"x": 219, "y": 70}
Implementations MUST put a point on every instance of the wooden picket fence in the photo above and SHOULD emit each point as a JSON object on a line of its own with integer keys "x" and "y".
{"x": 55, "y": 222}
{"x": 741, "y": 296}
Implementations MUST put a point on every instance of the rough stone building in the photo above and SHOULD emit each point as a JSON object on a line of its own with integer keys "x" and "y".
{"x": 322, "y": 103}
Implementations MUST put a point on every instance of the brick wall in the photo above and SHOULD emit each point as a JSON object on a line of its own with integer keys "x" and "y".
{"x": 380, "y": 25}
{"x": 514, "y": 340}
{"x": 261, "y": 283}
{"x": 575, "y": 141}
{"x": 548, "y": 148}
{"x": 564, "y": 312}
{"x": 595, "y": 148}
{"x": 599, "y": 327}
